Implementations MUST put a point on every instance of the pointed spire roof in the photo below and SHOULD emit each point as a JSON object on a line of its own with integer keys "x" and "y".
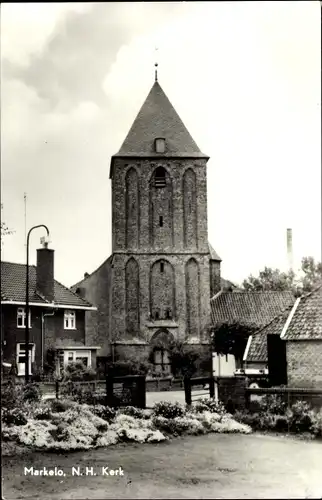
{"x": 157, "y": 118}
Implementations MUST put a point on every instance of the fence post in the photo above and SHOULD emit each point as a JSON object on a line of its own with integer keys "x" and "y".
{"x": 109, "y": 391}
{"x": 211, "y": 387}
{"x": 57, "y": 389}
{"x": 187, "y": 390}
{"x": 142, "y": 392}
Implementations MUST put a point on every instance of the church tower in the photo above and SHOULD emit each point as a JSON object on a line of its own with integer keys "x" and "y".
{"x": 157, "y": 284}
{"x": 161, "y": 257}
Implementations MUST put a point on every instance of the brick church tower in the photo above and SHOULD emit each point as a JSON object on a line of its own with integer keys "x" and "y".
{"x": 157, "y": 284}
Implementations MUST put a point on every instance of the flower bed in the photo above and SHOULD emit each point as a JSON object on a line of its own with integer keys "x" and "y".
{"x": 68, "y": 425}
{"x": 273, "y": 415}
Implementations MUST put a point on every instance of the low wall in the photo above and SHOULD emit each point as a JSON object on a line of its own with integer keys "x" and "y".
{"x": 232, "y": 392}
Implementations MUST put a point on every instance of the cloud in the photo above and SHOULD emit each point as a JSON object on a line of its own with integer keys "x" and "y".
{"x": 81, "y": 48}
{"x": 245, "y": 78}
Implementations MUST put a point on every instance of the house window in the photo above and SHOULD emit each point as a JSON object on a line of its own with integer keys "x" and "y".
{"x": 159, "y": 178}
{"x": 69, "y": 320}
{"x": 159, "y": 145}
{"x": 161, "y": 267}
{"x": 161, "y": 221}
{"x": 21, "y": 358}
{"x": 67, "y": 357}
{"x": 21, "y": 317}
{"x": 161, "y": 361}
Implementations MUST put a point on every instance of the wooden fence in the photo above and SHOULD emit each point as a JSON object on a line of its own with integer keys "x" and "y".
{"x": 199, "y": 384}
{"x": 288, "y": 395}
{"x": 113, "y": 391}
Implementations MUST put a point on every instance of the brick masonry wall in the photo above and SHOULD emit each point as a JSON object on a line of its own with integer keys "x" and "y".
{"x": 304, "y": 363}
{"x": 177, "y": 325}
{"x": 53, "y": 332}
{"x": 231, "y": 392}
{"x": 96, "y": 288}
{"x": 145, "y": 169}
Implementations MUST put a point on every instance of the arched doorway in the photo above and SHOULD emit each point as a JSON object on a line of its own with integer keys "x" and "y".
{"x": 160, "y": 352}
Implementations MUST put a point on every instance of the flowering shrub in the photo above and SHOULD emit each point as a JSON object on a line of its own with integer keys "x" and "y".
{"x": 169, "y": 410}
{"x": 178, "y": 425}
{"x": 316, "y": 427}
{"x": 60, "y": 405}
{"x": 104, "y": 412}
{"x": 31, "y": 392}
{"x": 13, "y": 417}
{"x": 272, "y": 403}
{"x": 42, "y": 413}
{"x": 133, "y": 412}
{"x": 14, "y": 395}
{"x": 300, "y": 417}
{"x": 211, "y": 405}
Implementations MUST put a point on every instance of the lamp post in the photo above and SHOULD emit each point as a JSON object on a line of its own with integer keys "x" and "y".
{"x": 27, "y": 304}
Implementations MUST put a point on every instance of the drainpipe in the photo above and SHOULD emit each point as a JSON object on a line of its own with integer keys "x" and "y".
{"x": 43, "y": 315}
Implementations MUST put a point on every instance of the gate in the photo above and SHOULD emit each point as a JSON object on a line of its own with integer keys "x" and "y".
{"x": 203, "y": 387}
{"x": 126, "y": 391}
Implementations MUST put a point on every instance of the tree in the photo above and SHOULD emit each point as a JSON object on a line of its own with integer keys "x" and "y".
{"x": 231, "y": 338}
{"x": 308, "y": 278}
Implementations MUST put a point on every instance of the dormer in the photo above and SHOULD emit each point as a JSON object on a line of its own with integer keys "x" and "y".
{"x": 159, "y": 145}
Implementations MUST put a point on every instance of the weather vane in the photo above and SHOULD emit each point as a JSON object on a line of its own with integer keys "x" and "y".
{"x": 156, "y": 65}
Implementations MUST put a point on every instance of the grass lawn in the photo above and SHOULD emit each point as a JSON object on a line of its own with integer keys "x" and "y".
{"x": 211, "y": 466}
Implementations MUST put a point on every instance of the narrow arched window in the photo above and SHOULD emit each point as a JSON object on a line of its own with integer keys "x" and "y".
{"x": 159, "y": 178}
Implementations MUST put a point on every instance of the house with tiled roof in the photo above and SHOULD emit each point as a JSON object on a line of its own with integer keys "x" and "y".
{"x": 299, "y": 328}
{"x": 256, "y": 310}
{"x": 56, "y": 317}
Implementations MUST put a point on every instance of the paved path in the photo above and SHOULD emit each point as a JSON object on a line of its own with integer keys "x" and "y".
{"x": 155, "y": 397}
{"x": 211, "y": 466}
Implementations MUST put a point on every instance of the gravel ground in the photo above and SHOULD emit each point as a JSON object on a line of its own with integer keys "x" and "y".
{"x": 211, "y": 466}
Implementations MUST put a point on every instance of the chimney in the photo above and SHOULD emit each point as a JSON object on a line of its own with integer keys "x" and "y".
{"x": 45, "y": 272}
{"x": 289, "y": 243}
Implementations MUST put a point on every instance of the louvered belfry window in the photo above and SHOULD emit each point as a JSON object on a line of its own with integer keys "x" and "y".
{"x": 159, "y": 178}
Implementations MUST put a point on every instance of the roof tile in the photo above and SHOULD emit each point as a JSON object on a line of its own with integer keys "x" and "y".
{"x": 157, "y": 118}
{"x": 13, "y": 287}
{"x": 249, "y": 308}
{"x": 306, "y": 323}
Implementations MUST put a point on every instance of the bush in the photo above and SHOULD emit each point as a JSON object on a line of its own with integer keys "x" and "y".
{"x": 31, "y": 392}
{"x": 272, "y": 403}
{"x": 104, "y": 412}
{"x": 210, "y": 405}
{"x": 133, "y": 412}
{"x": 178, "y": 426}
{"x": 82, "y": 394}
{"x": 60, "y": 405}
{"x": 316, "y": 427}
{"x": 122, "y": 368}
{"x": 14, "y": 417}
{"x": 300, "y": 417}
{"x": 257, "y": 421}
{"x": 78, "y": 372}
{"x": 169, "y": 410}
{"x": 42, "y": 413}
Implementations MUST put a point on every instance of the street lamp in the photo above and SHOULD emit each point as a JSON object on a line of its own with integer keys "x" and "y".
{"x": 27, "y": 304}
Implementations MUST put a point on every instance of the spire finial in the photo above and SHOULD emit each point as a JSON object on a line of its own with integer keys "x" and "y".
{"x": 156, "y": 66}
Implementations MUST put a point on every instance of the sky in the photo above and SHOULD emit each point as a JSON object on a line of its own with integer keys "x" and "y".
{"x": 245, "y": 78}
